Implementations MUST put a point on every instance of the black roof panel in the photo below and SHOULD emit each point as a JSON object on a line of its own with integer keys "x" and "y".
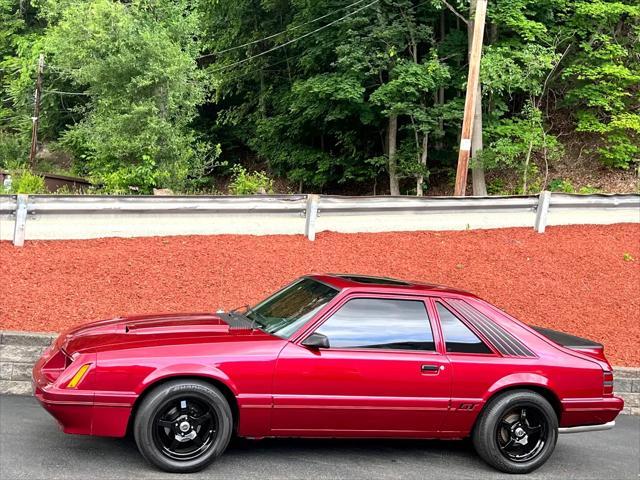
{"x": 373, "y": 280}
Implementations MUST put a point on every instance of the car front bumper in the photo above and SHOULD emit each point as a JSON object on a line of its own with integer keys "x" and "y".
{"x": 71, "y": 408}
{"x": 72, "y": 414}
{"x": 78, "y": 411}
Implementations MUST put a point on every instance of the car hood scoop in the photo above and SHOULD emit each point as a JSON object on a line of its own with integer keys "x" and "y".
{"x": 177, "y": 325}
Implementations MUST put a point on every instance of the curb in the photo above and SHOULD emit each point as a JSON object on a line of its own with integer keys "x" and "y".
{"x": 20, "y": 350}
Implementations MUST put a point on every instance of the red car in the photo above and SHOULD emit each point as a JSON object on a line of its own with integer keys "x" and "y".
{"x": 329, "y": 356}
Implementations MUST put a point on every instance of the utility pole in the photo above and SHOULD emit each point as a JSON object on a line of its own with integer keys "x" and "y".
{"x": 477, "y": 169}
{"x": 470, "y": 99}
{"x": 35, "y": 120}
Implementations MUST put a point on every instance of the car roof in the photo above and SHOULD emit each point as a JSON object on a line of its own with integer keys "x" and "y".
{"x": 356, "y": 281}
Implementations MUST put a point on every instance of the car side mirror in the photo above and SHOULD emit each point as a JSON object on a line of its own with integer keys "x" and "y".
{"x": 316, "y": 340}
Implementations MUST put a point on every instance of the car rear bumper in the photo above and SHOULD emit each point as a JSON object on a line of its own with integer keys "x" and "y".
{"x": 581, "y": 412}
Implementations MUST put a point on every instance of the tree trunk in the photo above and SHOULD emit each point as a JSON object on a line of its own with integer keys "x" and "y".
{"x": 526, "y": 168}
{"x": 477, "y": 169}
{"x": 439, "y": 95}
{"x": 423, "y": 162}
{"x": 392, "y": 134}
{"x": 262, "y": 106}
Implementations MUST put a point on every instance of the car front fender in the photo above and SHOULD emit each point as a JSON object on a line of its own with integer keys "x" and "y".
{"x": 186, "y": 370}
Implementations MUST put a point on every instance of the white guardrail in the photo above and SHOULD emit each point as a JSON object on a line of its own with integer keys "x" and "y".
{"x": 55, "y": 217}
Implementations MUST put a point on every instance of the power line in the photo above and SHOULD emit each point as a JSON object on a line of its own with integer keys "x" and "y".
{"x": 59, "y": 92}
{"x": 253, "y": 42}
{"x": 266, "y": 68}
{"x": 239, "y": 62}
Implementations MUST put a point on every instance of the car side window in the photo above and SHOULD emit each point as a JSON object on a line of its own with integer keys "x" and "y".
{"x": 380, "y": 323}
{"x": 458, "y": 337}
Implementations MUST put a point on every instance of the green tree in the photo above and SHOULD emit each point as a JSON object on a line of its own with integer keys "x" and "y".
{"x": 135, "y": 65}
{"x": 603, "y": 76}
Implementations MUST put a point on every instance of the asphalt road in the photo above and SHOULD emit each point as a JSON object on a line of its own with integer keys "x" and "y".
{"x": 32, "y": 447}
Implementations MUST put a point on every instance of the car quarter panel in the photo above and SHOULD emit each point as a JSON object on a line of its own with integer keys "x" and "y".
{"x": 574, "y": 381}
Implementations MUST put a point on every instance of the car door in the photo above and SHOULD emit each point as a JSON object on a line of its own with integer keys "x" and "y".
{"x": 381, "y": 374}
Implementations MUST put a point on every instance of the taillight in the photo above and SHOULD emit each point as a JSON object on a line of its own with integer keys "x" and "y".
{"x": 607, "y": 383}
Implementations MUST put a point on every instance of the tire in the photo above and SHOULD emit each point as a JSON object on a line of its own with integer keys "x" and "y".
{"x": 183, "y": 425}
{"x": 499, "y": 441}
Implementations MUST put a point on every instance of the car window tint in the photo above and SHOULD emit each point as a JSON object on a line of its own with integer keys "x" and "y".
{"x": 288, "y": 309}
{"x": 457, "y": 336}
{"x": 380, "y": 323}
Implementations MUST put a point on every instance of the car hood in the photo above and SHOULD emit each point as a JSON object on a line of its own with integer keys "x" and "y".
{"x": 152, "y": 330}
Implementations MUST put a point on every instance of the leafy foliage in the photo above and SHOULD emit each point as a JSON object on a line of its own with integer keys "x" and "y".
{"x": 127, "y": 88}
{"x": 604, "y": 77}
{"x": 561, "y": 185}
{"x": 163, "y": 93}
{"x": 245, "y": 183}
{"x": 25, "y": 181}
{"x": 513, "y": 142}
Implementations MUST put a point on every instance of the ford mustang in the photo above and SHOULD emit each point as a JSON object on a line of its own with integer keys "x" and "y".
{"x": 329, "y": 356}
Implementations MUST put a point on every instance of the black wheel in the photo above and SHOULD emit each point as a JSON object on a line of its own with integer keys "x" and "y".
{"x": 517, "y": 432}
{"x": 183, "y": 425}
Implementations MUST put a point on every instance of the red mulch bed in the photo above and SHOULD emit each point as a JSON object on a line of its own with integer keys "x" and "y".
{"x": 576, "y": 278}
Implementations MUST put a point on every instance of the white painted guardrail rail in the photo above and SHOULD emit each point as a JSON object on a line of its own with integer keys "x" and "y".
{"x": 56, "y": 217}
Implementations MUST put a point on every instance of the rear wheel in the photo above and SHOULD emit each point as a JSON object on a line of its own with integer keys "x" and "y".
{"x": 183, "y": 425}
{"x": 517, "y": 432}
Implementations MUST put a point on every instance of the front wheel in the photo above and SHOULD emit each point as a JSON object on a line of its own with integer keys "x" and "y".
{"x": 517, "y": 432}
{"x": 183, "y": 425}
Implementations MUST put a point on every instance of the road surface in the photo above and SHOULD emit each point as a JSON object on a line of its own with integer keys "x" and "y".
{"x": 32, "y": 447}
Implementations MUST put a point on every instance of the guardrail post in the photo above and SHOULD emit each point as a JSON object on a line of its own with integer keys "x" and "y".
{"x": 311, "y": 216}
{"x": 542, "y": 211}
{"x": 21, "y": 220}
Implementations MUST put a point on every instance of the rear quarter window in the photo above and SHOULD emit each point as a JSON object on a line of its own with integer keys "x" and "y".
{"x": 458, "y": 337}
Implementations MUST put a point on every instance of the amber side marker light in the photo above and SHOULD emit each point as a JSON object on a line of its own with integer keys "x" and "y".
{"x": 78, "y": 376}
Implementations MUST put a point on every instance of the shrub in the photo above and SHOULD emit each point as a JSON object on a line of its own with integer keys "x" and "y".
{"x": 513, "y": 143}
{"x": 245, "y": 183}
{"x": 588, "y": 189}
{"x": 497, "y": 186}
{"x": 561, "y": 185}
{"x": 25, "y": 181}
{"x": 129, "y": 179}
{"x": 13, "y": 149}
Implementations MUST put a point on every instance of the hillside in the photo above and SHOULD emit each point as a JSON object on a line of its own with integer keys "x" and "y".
{"x": 348, "y": 96}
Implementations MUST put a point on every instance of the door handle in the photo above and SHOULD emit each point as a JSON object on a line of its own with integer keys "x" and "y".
{"x": 432, "y": 369}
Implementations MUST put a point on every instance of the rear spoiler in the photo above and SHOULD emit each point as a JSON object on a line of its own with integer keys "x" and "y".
{"x": 572, "y": 342}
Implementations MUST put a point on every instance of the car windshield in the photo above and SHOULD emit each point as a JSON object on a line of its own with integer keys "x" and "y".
{"x": 288, "y": 309}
